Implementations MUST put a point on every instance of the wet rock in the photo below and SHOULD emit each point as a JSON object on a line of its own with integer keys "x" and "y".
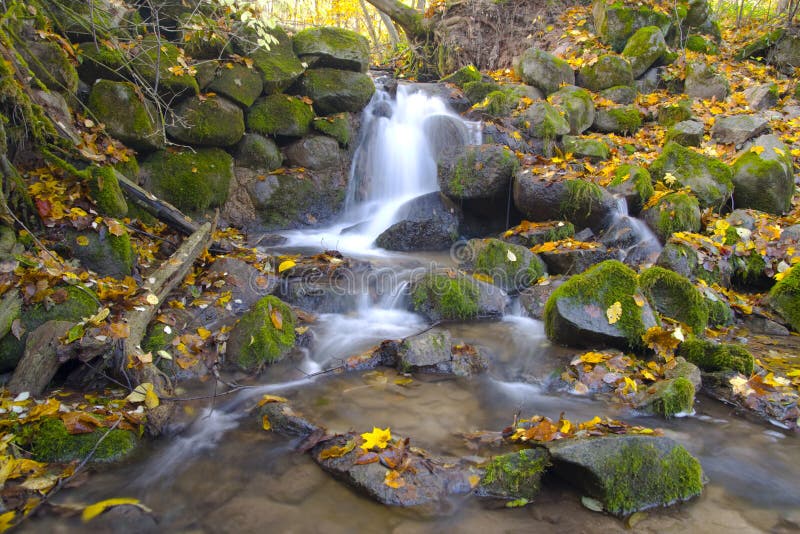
{"x": 534, "y": 298}
{"x": 456, "y": 297}
{"x": 263, "y": 335}
{"x": 53, "y": 443}
{"x": 246, "y": 283}
{"x": 629, "y": 473}
{"x": 319, "y": 296}
{"x": 710, "y": 356}
{"x": 737, "y": 129}
{"x": 316, "y": 152}
{"x": 763, "y": 176}
{"x": 610, "y": 70}
{"x": 428, "y": 222}
{"x": 336, "y": 48}
{"x": 763, "y": 96}
{"x": 703, "y": 82}
{"x": 764, "y": 326}
{"x": 453, "y": 96}
{"x": 435, "y": 352}
{"x": 623, "y": 120}
{"x": 667, "y": 398}
{"x": 125, "y": 519}
{"x": 635, "y": 184}
{"x": 687, "y": 370}
{"x": 544, "y": 71}
{"x": 128, "y": 117}
{"x": 576, "y": 313}
{"x": 575, "y": 261}
{"x": 285, "y": 421}
{"x": 676, "y": 297}
{"x": 477, "y": 172}
{"x": 529, "y": 234}
{"x": 577, "y": 106}
{"x": 207, "y": 122}
{"x": 707, "y": 177}
{"x": 516, "y": 475}
{"x": 510, "y": 267}
{"x": 687, "y": 133}
{"x": 644, "y": 48}
{"x": 335, "y": 91}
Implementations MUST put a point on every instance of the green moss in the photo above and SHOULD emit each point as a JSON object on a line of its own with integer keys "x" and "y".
{"x": 448, "y": 298}
{"x": 641, "y": 475}
{"x": 710, "y": 356}
{"x": 673, "y": 397}
{"x": 719, "y": 313}
{"x": 478, "y": 90}
{"x": 464, "y": 176}
{"x": 602, "y": 285}
{"x": 627, "y": 117}
{"x": 280, "y": 115}
{"x": 153, "y": 62}
{"x": 157, "y": 338}
{"x": 709, "y": 178}
{"x": 463, "y": 76}
{"x": 128, "y": 117}
{"x": 336, "y": 126}
{"x": 128, "y": 168}
{"x": 336, "y": 91}
{"x": 764, "y": 183}
{"x": 497, "y": 104}
{"x": 672, "y": 114}
{"x": 675, "y": 212}
{"x": 643, "y": 183}
{"x": 105, "y": 191}
{"x": 332, "y": 47}
{"x": 784, "y": 297}
{"x": 698, "y": 43}
{"x": 260, "y": 341}
{"x": 586, "y": 147}
{"x": 676, "y": 297}
{"x": 52, "y": 443}
{"x": 516, "y": 475}
{"x": 493, "y": 260}
{"x": 279, "y": 66}
{"x": 581, "y": 195}
{"x": 759, "y": 46}
{"x": 749, "y": 270}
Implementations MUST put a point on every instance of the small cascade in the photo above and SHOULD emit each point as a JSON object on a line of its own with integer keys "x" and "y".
{"x": 632, "y": 236}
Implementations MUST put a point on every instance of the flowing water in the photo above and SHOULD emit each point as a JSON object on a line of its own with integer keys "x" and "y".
{"x": 223, "y": 473}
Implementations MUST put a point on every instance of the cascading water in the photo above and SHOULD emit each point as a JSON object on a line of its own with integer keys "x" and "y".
{"x": 635, "y": 239}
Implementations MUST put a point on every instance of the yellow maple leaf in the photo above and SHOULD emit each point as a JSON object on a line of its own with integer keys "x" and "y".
{"x": 614, "y": 312}
{"x": 377, "y": 438}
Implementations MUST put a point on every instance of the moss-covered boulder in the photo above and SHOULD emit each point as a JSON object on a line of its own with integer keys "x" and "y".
{"x": 760, "y": 46}
{"x": 477, "y": 91}
{"x": 157, "y": 60}
{"x": 577, "y": 313}
{"x": 676, "y": 297}
{"x": 763, "y": 176}
{"x": 635, "y": 184}
{"x": 704, "y": 82}
{"x": 784, "y": 298}
{"x": 623, "y": 120}
{"x": 610, "y": 70}
{"x": 586, "y": 147}
{"x": 644, "y": 49}
{"x": 463, "y": 76}
{"x": 616, "y": 21}
{"x": 696, "y": 263}
{"x": 257, "y": 152}
{"x": 264, "y": 335}
{"x": 192, "y": 180}
{"x": 629, "y": 473}
{"x": 83, "y": 20}
{"x": 51, "y": 442}
{"x": 104, "y": 253}
{"x": 671, "y": 114}
{"x": 335, "y": 91}
{"x": 239, "y": 83}
{"x": 577, "y": 106}
{"x": 687, "y": 133}
{"x": 279, "y": 66}
{"x": 668, "y": 398}
{"x": 100, "y": 61}
{"x": 127, "y": 115}
{"x": 510, "y": 267}
{"x": 544, "y": 71}
{"x": 337, "y": 126}
{"x": 105, "y": 190}
{"x": 477, "y": 172}
{"x": 207, "y": 121}
{"x": 515, "y": 475}
{"x": 544, "y": 121}
{"x": 496, "y": 104}
{"x": 710, "y": 356}
{"x": 280, "y": 115}
{"x": 51, "y": 65}
{"x": 674, "y": 212}
{"x": 442, "y": 296}
{"x": 620, "y": 94}
{"x": 707, "y": 177}
{"x": 701, "y": 45}
{"x": 336, "y": 48}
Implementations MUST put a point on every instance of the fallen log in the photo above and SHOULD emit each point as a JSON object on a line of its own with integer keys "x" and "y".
{"x": 39, "y": 363}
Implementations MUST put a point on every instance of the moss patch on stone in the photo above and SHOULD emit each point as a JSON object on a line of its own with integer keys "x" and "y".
{"x": 336, "y": 126}
{"x": 675, "y": 296}
{"x": 280, "y": 115}
{"x": 105, "y": 191}
{"x": 257, "y": 339}
{"x": 784, "y": 297}
{"x": 515, "y": 475}
{"x": 52, "y": 443}
{"x": 710, "y": 356}
{"x": 511, "y": 267}
{"x": 449, "y": 298}
{"x": 463, "y": 76}
{"x": 672, "y": 114}
{"x": 672, "y": 397}
{"x": 580, "y": 197}
{"x": 674, "y": 212}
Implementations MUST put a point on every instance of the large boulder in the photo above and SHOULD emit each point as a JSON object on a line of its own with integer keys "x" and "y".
{"x": 336, "y": 48}
{"x": 676, "y": 297}
{"x": 610, "y": 70}
{"x": 214, "y": 121}
{"x": 280, "y": 115}
{"x": 448, "y": 296}
{"x": 510, "y": 267}
{"x": 157, "y": 60}
{"x": 599, "y": 307}
{"x": 763, "y": 176}
{"x": 279, "y": 65}
{"x": 644, "y": 49}
{"x": 704, "y": 82}
{"x": 623, "y": 120}
{"x": 674, "y": 212}
{"x": 335, "y": 91}
{"x": 476, "y": 172}
{"x": 629, "y": 473}
{"x": 428, "y": 222}
{"x": 706, "y": 176}
{"x": 316, "y": 152}
{"x": 127, "y": 115}
{"x": 544, "y": 121}
{"x": 577, "y": 106}
{"x": 257, "y": 152}
{"x": 339, "y": 126}
{"x": 192, "y": 180}
{"x": 52, "y": 66}
{"x": 737, "y": 129}
{"x": 615, "y": 22}
{"x": 544, "y": 71}
{"x": 784, "y": 298}
{"x": 237, "y": 82}
{"x": 264, "y": 335}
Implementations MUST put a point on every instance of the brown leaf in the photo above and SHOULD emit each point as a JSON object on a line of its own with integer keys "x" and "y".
{"x": 80, "y": 422}
{"x": 277, "y": 318}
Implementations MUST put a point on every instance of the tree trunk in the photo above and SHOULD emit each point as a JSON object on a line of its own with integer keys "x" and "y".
{"x": 407, "y": 18}
{"x": 394, "y": 37}
{"x": 368, "y": 22}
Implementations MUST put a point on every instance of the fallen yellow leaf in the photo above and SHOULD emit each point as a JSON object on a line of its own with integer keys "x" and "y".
{"x": 93, "y": 510}
{"x": 377, "y": 438}
{"x": 614, "y": 312}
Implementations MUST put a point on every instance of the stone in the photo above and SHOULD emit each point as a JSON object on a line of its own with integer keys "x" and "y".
{"x": 703, "y": 82}
{"x": 335, "y": 48}
{"x": 280, "y": 115}
{"x": 316, "y": 152}
{"x": 338, "y": 126}
{"x": 51, "y": 65}
{"x": 671, "y": 114}
{"x": 264, "y": 335}
{"x": 784, "y": 298}
{"x": 544, "y": 121}
{"x": 644, "y": 49}
{"x": 674, "y": 212}
{"x": 575, "y": 261}
{"x": 510, "y": 267}
{"x": 711, "y": 357}
{"x": 476, "y": 172}
{"x": 515, "y": 475}
{"x": 335, "y": 91}
{"x": 786, "y": 54}
{"x": 155, "y": 59}
{"x": 707, "y": 177}
{"x": 428, "y": 222}
{"x": 435, "y": 352}
{"x": 737, "y": 129}
{"x": 544, "y": 71}
{"x": 207, "y": 122}
{"x": 534, "y": 298}
{"x": 634, "y": 184}
{"x": 257, "y": 152}
{"x": 104, "y": 253}
{"x": 529, "y": 234}
{"x": 761, "y": 46}
{"x": 279, "y": 66}
{"x": 668, "y": 398}
{"x": 610, "y": 70}
{"x": 616, "y": 22}
{"x": 701, "y": 264}
{"x": 687, "y": 133}
{"x": 238, "y": 83}
{"x": 761, "y": 97}
{"x": 620, "y": 94}
{"x": 576, "y": 105}
{"x": 623, "y": 120}
{"x": 128, "y": 117}
{"x": 763, "y": 176}
{"x": 82, "y": 20}
{"x": 586, "y": 147}
{"x": 701, "y": 45}
{"x": 674, "y": 296}
{"x": 438, "y": 296}
{"x": 53, "y": 443}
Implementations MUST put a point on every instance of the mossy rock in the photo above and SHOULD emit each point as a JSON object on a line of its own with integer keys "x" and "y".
{"x": 629, "y": 473}
{"x": 674, "y": 212}
{"x": 443, "y": 298}
{"x": 264, "y": 335}
{"x": 720, "y": 312}
{"x": 577, "y": 105}
{"x": 644, "y": 49}
{"x": 152, "y": 60}
{"x": 478, "y": 90}
{"x": 281, "y": 115}
{"x": 257, "y": 152}
{"x": 106, "y": 254}
{"x": 200, "y": 37}
{"x": 544, "y": 71}
{"x": 765, "y": 180}
{"x": 159, "y": 337}
{"x": 334, "y": 91}
{"x": 576, "y": 312}
{"x": 207, "y": 121}
{"x": 463, "y": 76}
{"x": 669, "y": 398}
{"x": 703, "y": 81}
{"x": 192, "y": 180}
{"x": 336, "y": 48}
{"x": 51, "y": 66}
{"x": 83, "y": 20}
{"x": 53, "y": 443}
{"x": 72, "y": 303}
{"x": 336, "y": 126}
{"x": 701, "y": 45}
{"x": 511, "y": 267}
{"x": 239, "y": 83}
{"x": 127, "y": 115}
{"x": 620, "y": 94}
{"x": 105, "y": 190}
{"x": 279, "y": 66}
{"x": 544, "y": 121}
{"x": 687, "y": 133}
{"x": 615, "y": 21}
{"x": 704, "y": 265}
{"x": 623, "y": 120}
{"x": 784, "y": 298}
{"x": 129, "y": 168}
{"x": 676, "y": 297}
{"x": 760, "y": 46}
{"x": 586, "y": 147}
{"x": 712, "y": 357}
{"x": 497, "y": 104}
{"x": 671, "y": 114}
{"x": 635, "y": 184}
{"x": 707, "y": 177}
{"x": 610, "y": 70}
{"x": 516, "y": 475}
{"x": 477, "y": 172}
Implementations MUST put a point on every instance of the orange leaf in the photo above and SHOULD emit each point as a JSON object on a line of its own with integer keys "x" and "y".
{"x": 276, "y": 318}
{"x": 80, "y": 422}
{"x": 394, "y": 480}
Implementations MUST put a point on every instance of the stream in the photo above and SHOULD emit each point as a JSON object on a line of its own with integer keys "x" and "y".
{"x": 223, "y": 473}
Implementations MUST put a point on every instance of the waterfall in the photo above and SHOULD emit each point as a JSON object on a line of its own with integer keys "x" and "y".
{"x": 641, "y": 245}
